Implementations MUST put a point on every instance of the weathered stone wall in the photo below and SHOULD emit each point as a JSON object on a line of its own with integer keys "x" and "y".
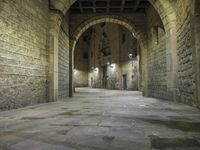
{"x": 186, "y": 72}
{"x": 63, "y": 65}
{"x": 186, "y": 68}
{"x": 24, "y": 44}
{"x": 156, "y": 56}
{"x": 196, "y": 37}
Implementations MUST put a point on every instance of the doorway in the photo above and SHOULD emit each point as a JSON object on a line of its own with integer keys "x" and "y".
{"x": 105, "y": 76}
{"x": 91, "y": 82}
{"x": 124, "y": 78}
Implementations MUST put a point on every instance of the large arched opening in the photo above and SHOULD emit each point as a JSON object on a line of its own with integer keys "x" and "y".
{"x": 167, "y": 15}
{"x": 98, "y": 20}
{"x": 106, "y": 56}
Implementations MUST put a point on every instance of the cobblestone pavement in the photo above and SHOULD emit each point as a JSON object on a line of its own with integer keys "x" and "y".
{"x": 97, "y": 119}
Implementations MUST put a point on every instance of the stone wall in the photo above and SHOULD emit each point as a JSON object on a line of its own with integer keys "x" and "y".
{"x": 156, "y": 56}
{"x": 63, "y": 65}
{"x": 196, "y": 54}
{"x": 186, "y": 68}
{"x": 24, "y": 44}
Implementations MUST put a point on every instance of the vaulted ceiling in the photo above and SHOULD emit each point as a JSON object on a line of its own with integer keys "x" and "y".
{"x": 109, "y": 6}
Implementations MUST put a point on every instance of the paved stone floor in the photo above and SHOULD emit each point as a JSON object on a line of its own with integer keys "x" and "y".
{"x": 97, "y": 119}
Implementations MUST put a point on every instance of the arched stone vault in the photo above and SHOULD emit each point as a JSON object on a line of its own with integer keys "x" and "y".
{"x": 163, "y": 7}
{"x": 108, "y": 19}
{"x": 99, "y": 19}
{"x": 168, "y": 17}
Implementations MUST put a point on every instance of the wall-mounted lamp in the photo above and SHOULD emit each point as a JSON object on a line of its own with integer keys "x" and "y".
{"x": 96, "y": 69}
{"x": 75, "y": 71}
{"x": 112, "y": 66}
{"x": 130, "y": 56}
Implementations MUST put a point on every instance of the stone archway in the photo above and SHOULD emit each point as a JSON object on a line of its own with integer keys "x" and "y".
{"x": 168, "y": 16}
{"x": 108, "y": 19}
{"x": 97, "y": 20}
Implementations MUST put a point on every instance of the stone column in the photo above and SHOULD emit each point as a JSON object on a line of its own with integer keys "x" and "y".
{"x": 144, "y": 63}
{"x": 195, "y": 25}
{"x": 55, "y": 22}
{"x": 145, "y": 74}
{"x": 71, "y": 68}
{"x": 171, "y": 41}
{"x": 197, "y": 53}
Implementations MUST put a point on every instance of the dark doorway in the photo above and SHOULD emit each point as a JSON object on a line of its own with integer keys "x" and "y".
{"x": 91, "y": 81}
{"x": 105, "y": 76}
{"x": 124, "y": 82}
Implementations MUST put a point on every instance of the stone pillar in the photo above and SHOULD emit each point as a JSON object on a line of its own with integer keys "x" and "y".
{"x": 171, "y": 48}
{"x": 145, "y": 74}
{"x": 144, "y": 63}
{"x": 139, "y": 65}
{"x": 55, "y": 22}
{"x": 196, "y": 58}
{"x": 195, "y": 25}
{"x": 71, "y": 68}
{"x": 197, "y": 53}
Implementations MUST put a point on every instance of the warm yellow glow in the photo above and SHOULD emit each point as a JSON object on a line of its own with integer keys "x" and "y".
{"x": 113, "y": 66}
{"x": 75, "y": 71}
{"x": 96, "y": 69}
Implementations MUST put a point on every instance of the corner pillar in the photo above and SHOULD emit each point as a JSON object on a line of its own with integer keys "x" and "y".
{"x": 53, "y": 56}
{"x": 71, "y": 69}
{"x": 172, "y": 72}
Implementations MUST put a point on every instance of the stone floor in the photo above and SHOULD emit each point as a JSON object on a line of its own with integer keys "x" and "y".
{"x": 97, "y": 119}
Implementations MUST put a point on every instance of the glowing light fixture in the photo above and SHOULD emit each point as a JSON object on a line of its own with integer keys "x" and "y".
{"x": 75, "y": 71}
{"x": 96, "y": 69}
{"x": 112, "y": 65}
{"x": 130, "y": 56}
